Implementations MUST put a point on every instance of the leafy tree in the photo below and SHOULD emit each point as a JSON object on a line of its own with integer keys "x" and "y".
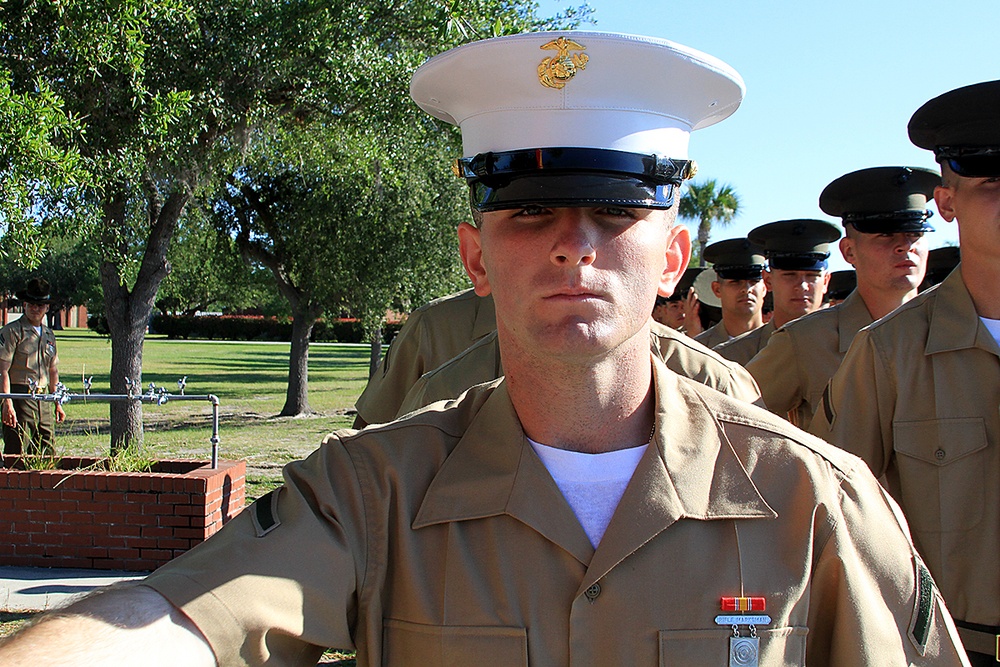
{"x": 347, "y": 222}
{"x": 69, "y": 264}
{"x": 708, "y": 203}
{"x": 149, "y": 99}
{"x": 207, "y": 272}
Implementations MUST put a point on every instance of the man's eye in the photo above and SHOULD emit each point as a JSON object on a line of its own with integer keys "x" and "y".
{"x": 530, "y": 211}
{"x": 617, "y": 212}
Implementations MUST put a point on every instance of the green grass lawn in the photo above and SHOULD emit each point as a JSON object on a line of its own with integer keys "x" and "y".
{"x": 249, "y": 379}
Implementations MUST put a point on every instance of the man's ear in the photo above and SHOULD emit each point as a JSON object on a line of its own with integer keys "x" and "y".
{"x": 766, "y": 277}
{"x": 944, "y": 197}
{"x": 717, "y": 289}
{"x": 826, "y": 281}
{"x": 471, "y": 250}
{"x": 847, "y": 249}
{"x": 677, "y": 257}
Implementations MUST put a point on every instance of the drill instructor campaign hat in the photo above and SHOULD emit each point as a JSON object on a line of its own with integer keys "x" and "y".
{"x": 35, "y": 291}
{"x": 575, "y": 118}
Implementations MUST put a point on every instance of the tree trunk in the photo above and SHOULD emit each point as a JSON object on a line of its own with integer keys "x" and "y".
{"x": 128, "y": 311}
{"x": 127, "y": 335}
{"x": 297, "y": 394}
{"x": 376, "y": 352}
{"x": 704, "y": 231}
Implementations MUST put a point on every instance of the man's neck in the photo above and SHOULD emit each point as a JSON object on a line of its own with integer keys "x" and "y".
{"x": 779, "y": 319}
{"x": 737, "y": 324}
{"x": 881, "y": 302}
{"x": 982, "y": 279}
{"x": 591, "y": 406}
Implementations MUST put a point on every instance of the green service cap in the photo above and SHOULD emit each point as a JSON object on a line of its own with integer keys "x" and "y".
{"x": 796, "y": 245}
{"x": 962, "y": 127}
{"x": 736, "y": 259}
{"x": 882, "y": 200}
{"x": 685, "y": 283}
{"x": 941, "y": 262}
{"x": 842, "y": 283}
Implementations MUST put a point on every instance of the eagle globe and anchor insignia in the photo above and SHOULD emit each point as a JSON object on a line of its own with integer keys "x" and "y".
{"x": 554, "y": 72}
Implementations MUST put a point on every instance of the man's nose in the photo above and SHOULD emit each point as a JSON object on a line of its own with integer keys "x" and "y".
{"x": 574, "y": 245}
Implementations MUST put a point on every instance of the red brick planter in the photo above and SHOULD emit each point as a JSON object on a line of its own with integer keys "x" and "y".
{"x": 114, "y": 520}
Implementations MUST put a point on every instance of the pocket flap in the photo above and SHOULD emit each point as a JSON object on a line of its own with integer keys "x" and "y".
{"x": 939, "y": 441}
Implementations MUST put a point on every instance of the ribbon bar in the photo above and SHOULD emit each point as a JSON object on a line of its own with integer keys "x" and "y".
{"x": 742, "y": 603}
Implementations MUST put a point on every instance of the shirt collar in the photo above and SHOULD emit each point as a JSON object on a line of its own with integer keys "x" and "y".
{"x": 486, "y": 318}
{"x": 853, "y": 317}
{"x": 953, "y": 312}
{"x": 690, "y": 472}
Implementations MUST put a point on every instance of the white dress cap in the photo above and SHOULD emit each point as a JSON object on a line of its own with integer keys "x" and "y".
{"x": 577, "y": 89}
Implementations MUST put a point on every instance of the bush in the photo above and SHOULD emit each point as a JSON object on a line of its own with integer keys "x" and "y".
{"x": 232, "y": 327}
{"x": 98, "y": 324}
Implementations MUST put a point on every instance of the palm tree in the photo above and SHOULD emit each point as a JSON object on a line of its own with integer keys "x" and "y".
{"x": 708, "y": 202}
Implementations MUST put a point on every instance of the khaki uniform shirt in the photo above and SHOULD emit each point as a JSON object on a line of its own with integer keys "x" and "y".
{"x": 681, "y": 354}
{"x": 916, "y": 398}
{"x": 433, "y": 334}
{"x": 714, "y": 335}
{"x": 30, "y": 355}
{"x": 441, "y": 539}
{"x": 801, "y": 357}
{"x": 743, "y": 348}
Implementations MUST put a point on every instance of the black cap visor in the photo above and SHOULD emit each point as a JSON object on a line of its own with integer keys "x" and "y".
{"x": 797, "y": 262}
{"x": 984, "y": 163}
{"x": 571, "y": 177}
{"x": 753, "y": 272}
{"x": 570, "y": 190}
{"x": 902, "y": 222}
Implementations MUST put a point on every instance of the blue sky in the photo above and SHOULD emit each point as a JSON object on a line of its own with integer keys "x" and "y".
{"x": 830, "y": 88}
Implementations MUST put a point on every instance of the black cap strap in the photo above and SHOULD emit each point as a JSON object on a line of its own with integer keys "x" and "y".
{"x": 536, "y": 161}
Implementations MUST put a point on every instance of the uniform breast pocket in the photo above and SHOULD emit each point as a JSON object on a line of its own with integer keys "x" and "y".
{"x": 406, "y": 643}
{"x": 942, "y": 472}
{"x": 692, "y": 648}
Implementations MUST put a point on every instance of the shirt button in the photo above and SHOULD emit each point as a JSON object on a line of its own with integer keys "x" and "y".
{"x": 939, "y": 454}
{"x": 593, "y": 592}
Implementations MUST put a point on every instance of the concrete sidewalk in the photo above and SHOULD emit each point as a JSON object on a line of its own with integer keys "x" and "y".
{"x": 37, "y": 588}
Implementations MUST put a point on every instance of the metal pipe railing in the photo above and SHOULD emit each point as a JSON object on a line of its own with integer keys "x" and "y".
{"x": 154, "y": 396}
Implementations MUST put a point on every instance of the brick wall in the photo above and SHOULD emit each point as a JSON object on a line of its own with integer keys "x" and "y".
{"x": 94, "y": 519}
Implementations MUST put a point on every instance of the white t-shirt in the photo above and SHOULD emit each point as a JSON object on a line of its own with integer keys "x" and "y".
{"x": 994, "y": 327}
{"x": 592, "y": 484}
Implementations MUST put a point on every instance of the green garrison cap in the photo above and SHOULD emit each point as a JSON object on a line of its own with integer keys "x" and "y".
{"x": 685, "y": 283}
{"x": 842, "y": 283}
{"x": 736, "y": 259}
{"x": 962, "y": 127}
{"x": 941, "y": 262}
{"x": 796, "y": 245}
{"x": 882, "y": 200}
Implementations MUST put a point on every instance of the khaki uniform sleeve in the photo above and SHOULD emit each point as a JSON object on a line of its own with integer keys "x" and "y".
{"x": 858, "y": 404}
{"x": 776, "y": 369}
{"x": 873, "y": 602}
{"x": 279, "y": 583}
{"x": 401, "y": 367}
{"x": 8, "y": 344}
{"x": 416, "y": 398}
{"x": 743, "y": 386}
